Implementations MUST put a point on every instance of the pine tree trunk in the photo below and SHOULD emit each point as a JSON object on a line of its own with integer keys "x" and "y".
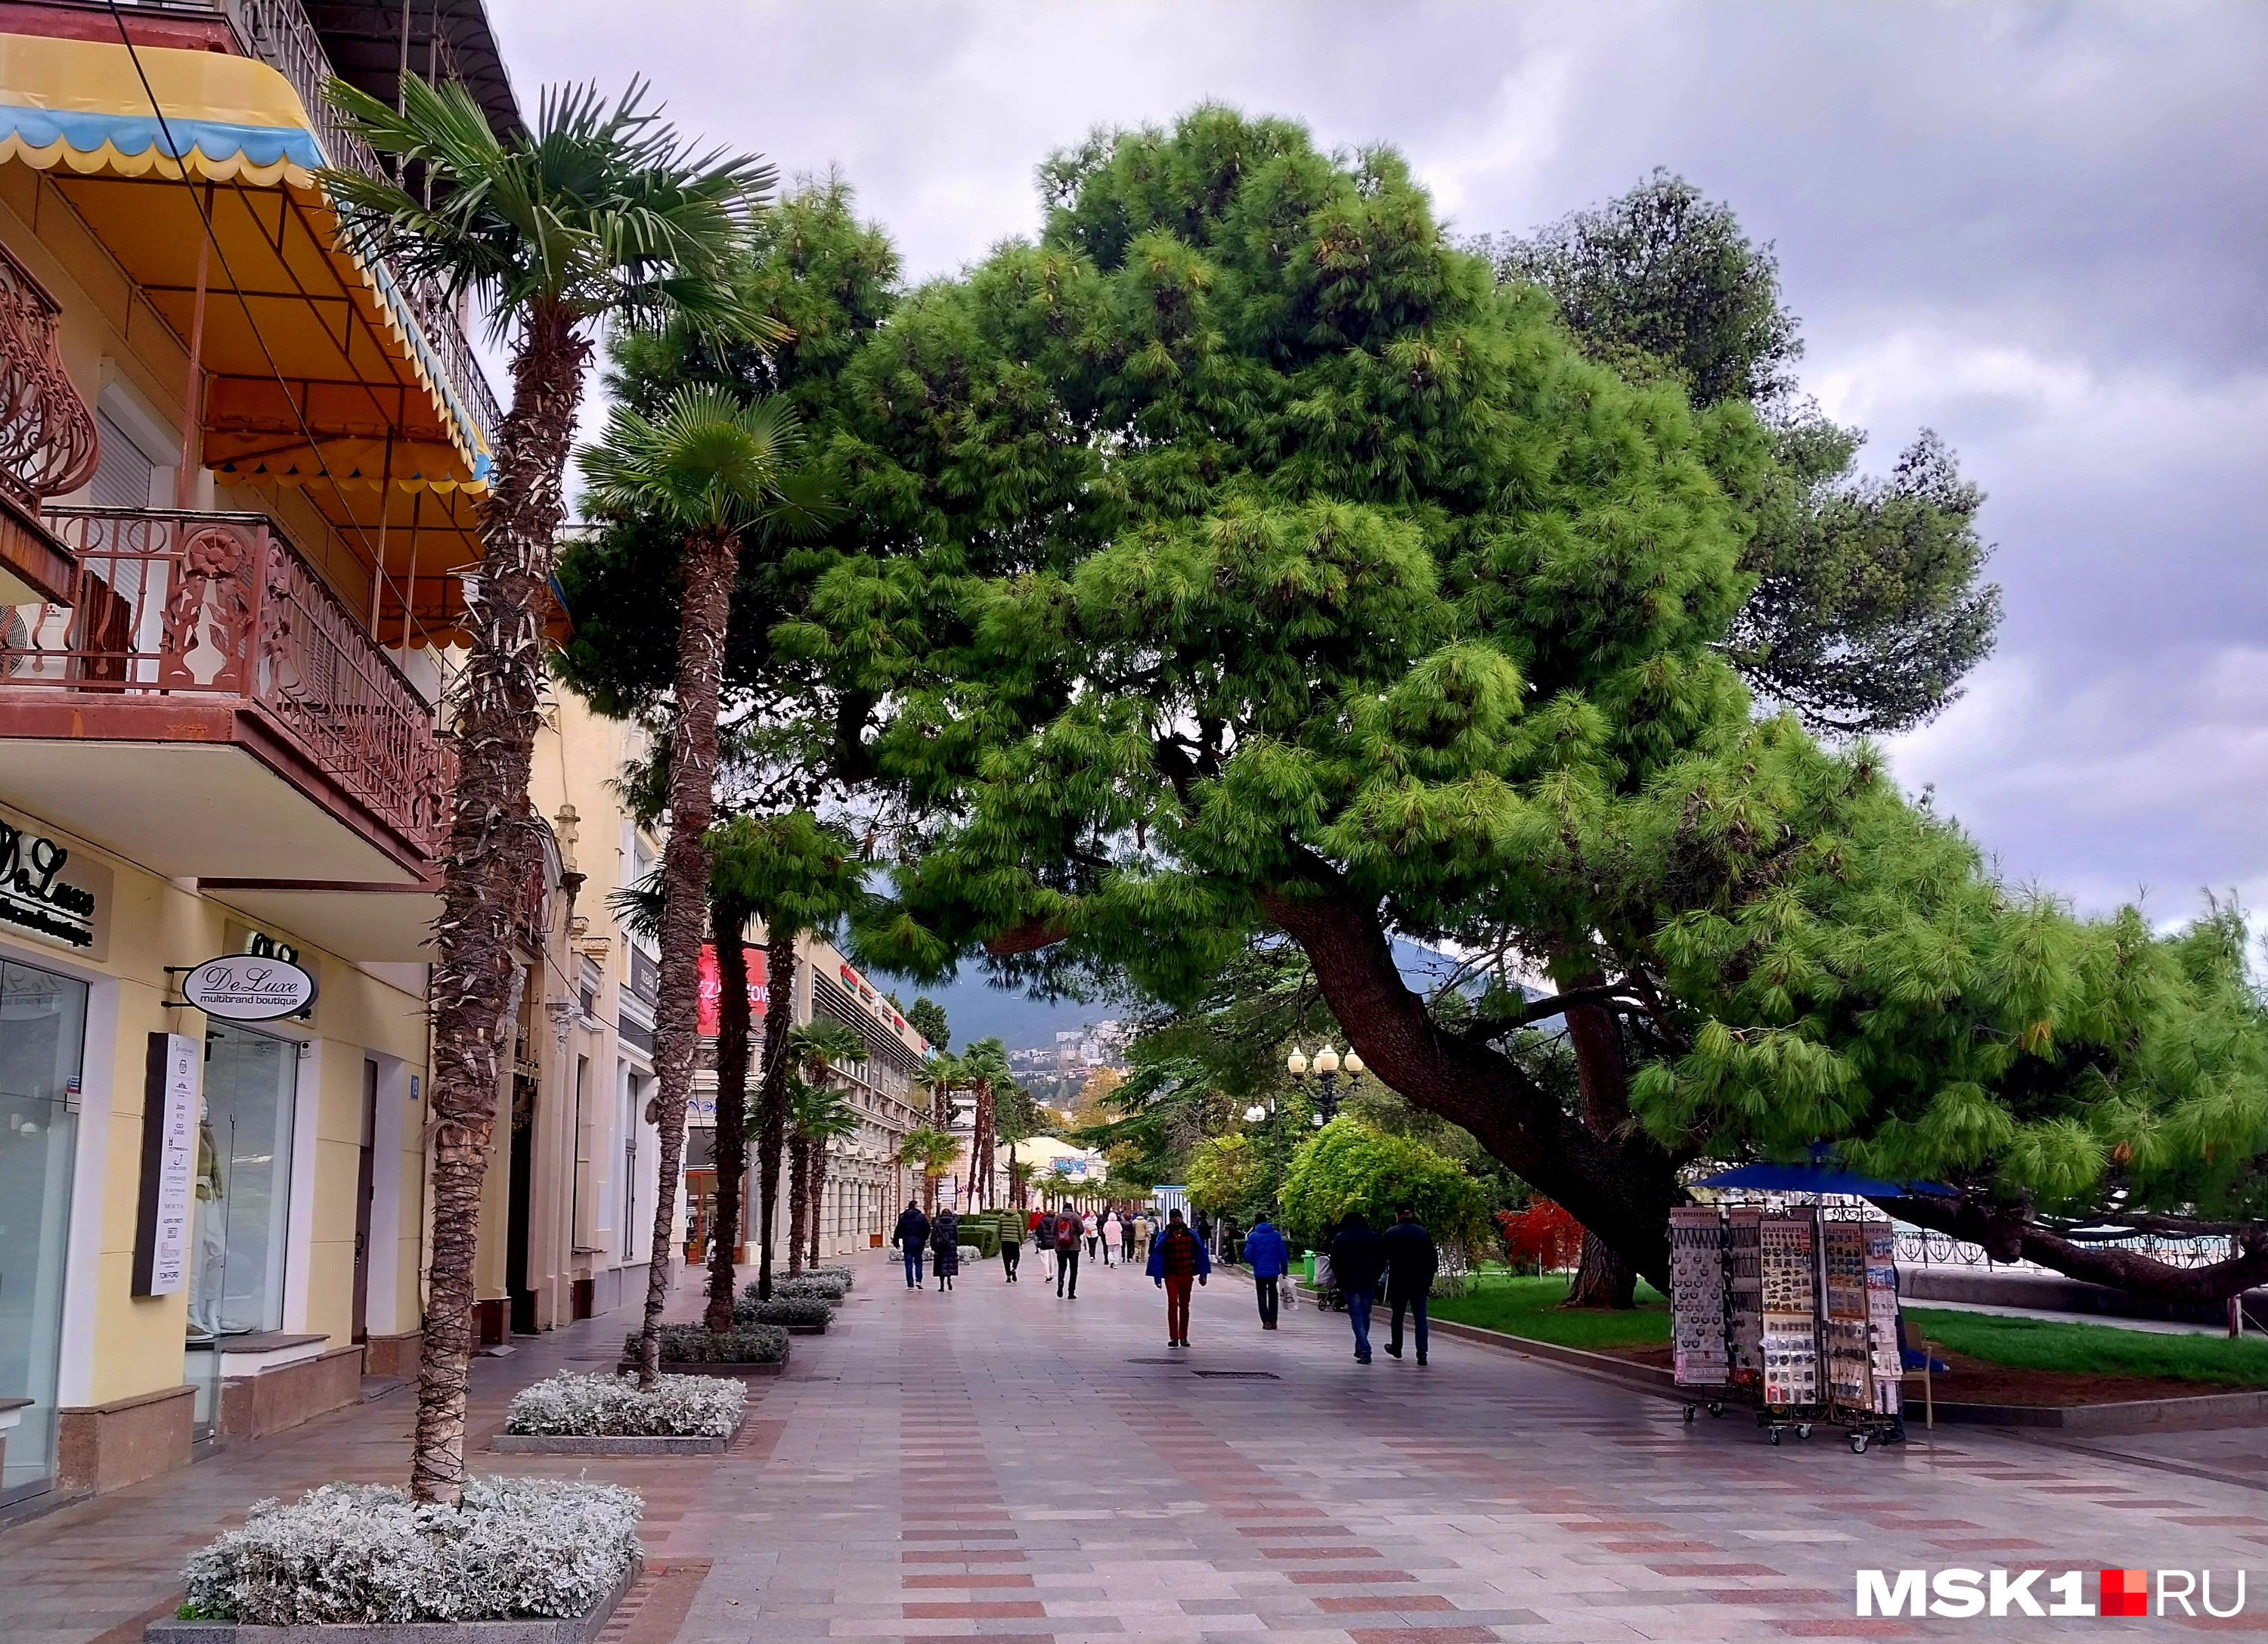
{"x": 732, "y": 1018}
{"x": 771, "y": 1110}
{"x": 710, "y": 560}
{"x": 492, "y": 864}
{"x": 818, "y": 1194}
{"x": 1602, "y": 1279}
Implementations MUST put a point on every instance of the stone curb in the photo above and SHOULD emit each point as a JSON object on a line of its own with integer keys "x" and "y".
{"x": 2206, "y": 1410}
{"x": 582, "y": 1629}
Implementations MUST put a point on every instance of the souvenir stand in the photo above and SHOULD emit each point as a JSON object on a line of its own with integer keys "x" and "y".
{"x": 1792, "y": 1310}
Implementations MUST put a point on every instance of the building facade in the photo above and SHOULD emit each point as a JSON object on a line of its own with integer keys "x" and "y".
{"x": 863, "y": 1184}
{"x": 238, "y": 469}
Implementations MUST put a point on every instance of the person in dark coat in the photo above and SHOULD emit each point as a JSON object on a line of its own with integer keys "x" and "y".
{"x": 1410, "y": 1263}
{"x": 910, "y": 1238}
{"x": 1357, "y": 1261}
{"x": 1270, "y": 1260}
{"x": 944, "y": 1245}
{"x": 1068, "y": 1234}
{"x": 1177, "y": 1256}
{"x": 1043, "y": 1241}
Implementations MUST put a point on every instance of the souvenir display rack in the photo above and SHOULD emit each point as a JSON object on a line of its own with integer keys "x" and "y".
{"x": 1796, "y": 1310}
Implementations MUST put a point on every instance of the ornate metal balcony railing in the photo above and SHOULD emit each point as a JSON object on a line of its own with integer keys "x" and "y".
{"x": 47, "y": 432}
{"x": 280, "y": 35}
{"x": 207, "y": 605}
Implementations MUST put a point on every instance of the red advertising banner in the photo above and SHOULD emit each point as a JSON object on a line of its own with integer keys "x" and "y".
{"x": 712, "y": 989}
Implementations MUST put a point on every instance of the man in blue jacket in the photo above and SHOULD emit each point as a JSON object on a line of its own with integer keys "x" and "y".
{"x": 1263, "y": 1248}
{"x": 1357, "y": 1261}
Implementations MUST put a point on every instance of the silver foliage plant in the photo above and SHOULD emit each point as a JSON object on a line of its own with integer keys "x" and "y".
{"x": 517, "y": 1548}
{"x": 614, "y": 1406}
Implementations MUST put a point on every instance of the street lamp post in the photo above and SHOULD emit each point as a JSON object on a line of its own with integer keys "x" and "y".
{"x": 1326, "y": 1067}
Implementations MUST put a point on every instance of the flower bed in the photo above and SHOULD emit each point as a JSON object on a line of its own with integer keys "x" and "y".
{"x": 617, "y": 1407}
{"x": 801, "y": 1314}
{"x": 831, "y": 1285}
{"x": 694, "y": 1350}
{"x": 518, "y": 1548}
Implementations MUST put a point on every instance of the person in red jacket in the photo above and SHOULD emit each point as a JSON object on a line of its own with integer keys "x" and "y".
{"x": 1178, "y": 1257}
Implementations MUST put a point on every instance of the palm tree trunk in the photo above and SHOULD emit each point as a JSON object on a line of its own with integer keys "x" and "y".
{"x": 980, "y": 1151}
{"x": 709, "y": 561}
{"x": 732, "y": 1018}
{"x": 771, "y": 1133}
{"x": 818, "y": 1195}
{"x": 799, "y": 1199}
{"x": 492, "y": 865}
{"x": 929, "y": 1194}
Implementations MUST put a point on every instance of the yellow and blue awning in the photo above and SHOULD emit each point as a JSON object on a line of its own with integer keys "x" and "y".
{"x": 320, "y": 373}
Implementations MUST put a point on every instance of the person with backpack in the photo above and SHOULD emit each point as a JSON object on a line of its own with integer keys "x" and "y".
{"x": 1043, "y": 1241}
{"x": 1411, "y": 1262}
{"x": 1176, "y": 1257}
{"x": 944, "y": 1244}
{"x": 911, "y": 1238}
{"x": 1068, "y": 1234}
{"x": 1264, "y": 1251}
{"x": 1357, "y": 1261}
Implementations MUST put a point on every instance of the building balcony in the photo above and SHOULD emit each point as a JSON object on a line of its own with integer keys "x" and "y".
{"x": 206, "y": 707}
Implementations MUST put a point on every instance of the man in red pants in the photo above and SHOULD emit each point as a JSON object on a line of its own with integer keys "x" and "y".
{"x": 1178, "y": 1256}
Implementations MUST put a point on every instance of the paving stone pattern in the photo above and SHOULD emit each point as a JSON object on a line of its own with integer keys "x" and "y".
{"x": 999, "y": 1464}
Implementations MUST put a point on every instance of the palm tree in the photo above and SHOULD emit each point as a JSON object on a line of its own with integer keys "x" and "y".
{"x": 812, "y": 1047}
{"x": 728, "y": 921}
{"x": 932, "y": 1151}
{"x": 1019, "y": 1178}
{"x": 985, "y": 1066}
{"x": 600, "y": 215}
{"x": 944, "y": 1075}
{"x": 818, "y": 1115}
{"x": 800, "y": 874}
{"x": 713, "y": 470}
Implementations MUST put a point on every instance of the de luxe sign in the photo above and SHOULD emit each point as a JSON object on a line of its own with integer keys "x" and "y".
{"x": 248, "y": 987}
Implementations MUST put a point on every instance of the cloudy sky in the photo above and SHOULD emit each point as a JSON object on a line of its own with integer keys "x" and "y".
{"x": 2038, "y": 229}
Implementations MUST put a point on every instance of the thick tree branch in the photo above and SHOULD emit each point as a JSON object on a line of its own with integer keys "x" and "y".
{"x": 2008, "y": 1236}
{"x": 1621, "y": 1193}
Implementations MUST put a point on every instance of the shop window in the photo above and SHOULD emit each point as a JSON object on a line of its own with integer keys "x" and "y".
{"x": 42, "y": 1036}
{"x": 243, "y": 1184}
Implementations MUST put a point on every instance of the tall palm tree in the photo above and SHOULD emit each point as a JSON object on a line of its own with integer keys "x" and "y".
{"x": 713, "y": 470}
{"x": 812, "y": 1047}
{"x": 728, "y": 922}
{"x": 817, "y": 1115}
{"x": 600, "y": 215}
{"x": 1019, "y": 1178}
{"x": 932, "y": 1151}
{"x": 943, "y": 1073}
{"x": 984, "y": 1065}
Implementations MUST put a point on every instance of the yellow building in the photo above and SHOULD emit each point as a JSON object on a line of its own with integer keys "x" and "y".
{"x": 237, "y": 475}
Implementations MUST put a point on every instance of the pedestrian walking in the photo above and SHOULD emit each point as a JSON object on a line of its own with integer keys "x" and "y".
{"x": 1114, "y": 1236}
{"x": 945, "y": 1247}
{"x": 1068, "y": 1234}
{"x": 1265, "y": 1250}
{"x": 1043, "y": 1241}
{"x": 1011, "y": 1250}
{"x": 1176, "y": 1257}
{"x": 910, "y": 1238}
{"x": 1356, "y": 1260}
{"x": 1411, "y": 1263}
{"x": 1092, "y": 1228}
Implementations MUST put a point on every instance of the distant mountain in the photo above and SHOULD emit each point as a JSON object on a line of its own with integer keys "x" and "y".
{"x": 977, "y": 1010}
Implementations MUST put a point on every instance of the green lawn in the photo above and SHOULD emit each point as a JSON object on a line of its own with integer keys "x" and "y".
{"x": 1529, "y": 1307}
{"x": 2093, "y": 1349}
{"x": 1525, "y": 1306}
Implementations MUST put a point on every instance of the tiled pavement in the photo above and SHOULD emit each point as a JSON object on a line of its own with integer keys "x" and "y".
{"x": 997, "y": 1465}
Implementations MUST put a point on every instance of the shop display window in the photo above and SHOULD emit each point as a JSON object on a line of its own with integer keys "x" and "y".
{"x": 42, "y": 1040}
{"x": 243, "y": 1184}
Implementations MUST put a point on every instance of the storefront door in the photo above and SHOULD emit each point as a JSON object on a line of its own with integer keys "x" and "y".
{"x": 243, "y": 1199}
{"x": 42, "y": 1039}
